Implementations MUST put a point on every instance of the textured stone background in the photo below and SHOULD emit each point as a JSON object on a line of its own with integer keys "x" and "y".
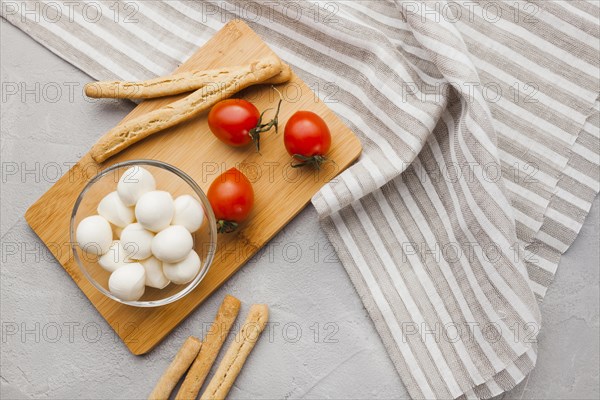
{"x": 88, "y": 362}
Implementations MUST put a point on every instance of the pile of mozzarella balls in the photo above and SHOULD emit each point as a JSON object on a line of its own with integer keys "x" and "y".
{"x": 154, "y": 236}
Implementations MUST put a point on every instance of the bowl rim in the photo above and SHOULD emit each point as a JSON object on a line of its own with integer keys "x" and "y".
{"x": 203, "y": 199}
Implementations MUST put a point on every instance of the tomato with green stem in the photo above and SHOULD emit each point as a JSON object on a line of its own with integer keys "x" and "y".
{"x": 307, "y": 139}
{"x": 237, "y": 122}
{"x": 231, "y": 197}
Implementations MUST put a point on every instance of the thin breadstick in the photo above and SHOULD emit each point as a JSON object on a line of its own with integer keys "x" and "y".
{"x": 237, "y": 353}
{"x": 284, "y": 76}
{"x": 130, "y": 132}
{"x": 211, "y": 345}
{"x": 173, "y": 84}
{"x": 182, "y": 361}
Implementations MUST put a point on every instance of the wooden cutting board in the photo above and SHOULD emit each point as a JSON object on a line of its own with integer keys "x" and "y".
{"x": 281, "y": 192}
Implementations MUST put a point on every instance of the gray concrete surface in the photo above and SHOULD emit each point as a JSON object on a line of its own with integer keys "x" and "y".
{"x": 55, "y": 345}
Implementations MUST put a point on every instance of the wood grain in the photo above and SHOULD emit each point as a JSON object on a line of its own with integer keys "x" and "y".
{"x": 281, "y": 192}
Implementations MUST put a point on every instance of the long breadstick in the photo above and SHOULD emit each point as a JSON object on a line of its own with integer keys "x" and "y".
{"x": 237, "y": 353}
{"x": 173, "y": 84}
{"x": 182, "y": 361}
{"x": 212, "y": 343}
{"x": 282, "y": 77}
{"x": 130, "y": 132}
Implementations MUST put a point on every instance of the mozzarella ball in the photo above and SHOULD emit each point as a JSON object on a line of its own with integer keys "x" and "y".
{"x": 183, "y": 271}
{"x": 114, "y": 258}
{"x": 172, "y": 244}
{"x": 128, "y": 282}
{"x": 134, "y": 183}
{"x": 154, "y": 273}
{"x": 154, "y": 210}
{"x": 115, "y": 211}
{"x": 137, "y": 241}
{"x": 188, "y": 213}
{"x": 94, "y": 235}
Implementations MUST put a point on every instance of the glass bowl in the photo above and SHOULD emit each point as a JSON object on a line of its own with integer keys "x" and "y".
{"x": 168, "y": 178}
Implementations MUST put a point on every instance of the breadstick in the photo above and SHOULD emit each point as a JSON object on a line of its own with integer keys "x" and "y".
{"x": 176, "y": 369}
{"x": 130, "y": 132}
{"x": 282, "y": 77}
{"x": 172, "y": 84}
{"x": 237, "y": 353}
{"x": 212, "y": 343}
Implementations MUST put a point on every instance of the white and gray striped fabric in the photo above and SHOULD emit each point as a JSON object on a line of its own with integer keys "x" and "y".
{"x": 480, "y": 126}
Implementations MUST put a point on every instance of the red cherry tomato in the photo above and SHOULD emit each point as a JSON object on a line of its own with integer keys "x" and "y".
{"x": 307, "y": 138}
{"x": 231, "y": 197}
{"x": 237, "y": 122}
{"x": 232, "y": 120}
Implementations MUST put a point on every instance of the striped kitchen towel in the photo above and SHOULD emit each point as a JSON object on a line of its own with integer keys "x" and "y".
{"x": 480, "y": 127}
